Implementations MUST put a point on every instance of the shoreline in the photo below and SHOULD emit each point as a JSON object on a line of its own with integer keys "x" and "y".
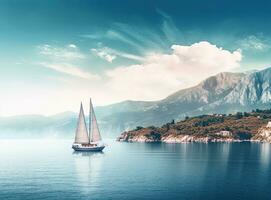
{"x": 186, "y": 139}
{"x": 240, "y": 127}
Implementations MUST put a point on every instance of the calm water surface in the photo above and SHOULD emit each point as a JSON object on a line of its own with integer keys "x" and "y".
{"x": 49, "y": 169}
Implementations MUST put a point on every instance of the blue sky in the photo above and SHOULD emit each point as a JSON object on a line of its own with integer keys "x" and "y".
{"x": 55, "y": 53}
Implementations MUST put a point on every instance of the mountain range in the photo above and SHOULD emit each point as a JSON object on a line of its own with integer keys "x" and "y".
{"x": 223, "y": 93}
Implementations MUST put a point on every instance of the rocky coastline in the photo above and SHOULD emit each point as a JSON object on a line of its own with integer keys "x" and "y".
{"x": 179, "y": 139}
{"x": 247, "y": 127}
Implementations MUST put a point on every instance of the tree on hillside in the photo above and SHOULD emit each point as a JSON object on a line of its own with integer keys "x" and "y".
{"x": 246, "y": 114}
{"x": 239, "y": 115}
{"x": 138, "y": 128}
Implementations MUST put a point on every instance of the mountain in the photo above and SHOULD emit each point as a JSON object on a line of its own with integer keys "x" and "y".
{"x": 224, "y": 93}
{"x": 252, "y": 91}
{"x": 186, "y": 102}
{"x": 59, "y": 125}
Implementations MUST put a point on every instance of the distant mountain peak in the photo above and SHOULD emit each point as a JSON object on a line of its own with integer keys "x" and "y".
{"x": 221, "y": 81}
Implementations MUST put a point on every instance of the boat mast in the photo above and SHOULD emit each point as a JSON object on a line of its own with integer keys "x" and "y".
{"x": 90, "y": 120}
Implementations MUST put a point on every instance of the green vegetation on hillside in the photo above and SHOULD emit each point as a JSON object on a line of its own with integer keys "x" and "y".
{"x": 239, "y": 125}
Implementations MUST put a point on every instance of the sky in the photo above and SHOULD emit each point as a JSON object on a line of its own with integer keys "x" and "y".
{"x": 56, "y": 53}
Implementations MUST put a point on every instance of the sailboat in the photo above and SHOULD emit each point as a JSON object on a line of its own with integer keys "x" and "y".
{"x": 87, "y": 140}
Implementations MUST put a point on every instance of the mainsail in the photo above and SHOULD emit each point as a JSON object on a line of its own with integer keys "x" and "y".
{"x": 94, "y": 132}
{"x": 81, "y": 135}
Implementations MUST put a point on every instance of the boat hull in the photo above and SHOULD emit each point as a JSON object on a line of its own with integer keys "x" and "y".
{"x": 88, "y": 148}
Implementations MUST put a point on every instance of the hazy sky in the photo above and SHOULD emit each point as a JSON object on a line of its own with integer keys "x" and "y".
{"x": 55, "y": 53}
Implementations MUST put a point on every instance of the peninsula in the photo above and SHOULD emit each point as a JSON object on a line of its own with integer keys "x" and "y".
{"x": 242, "y": 126}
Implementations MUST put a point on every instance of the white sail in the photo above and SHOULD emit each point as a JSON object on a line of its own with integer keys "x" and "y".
{"x": 94, "y": 132}
{"x": 81, "y": 135}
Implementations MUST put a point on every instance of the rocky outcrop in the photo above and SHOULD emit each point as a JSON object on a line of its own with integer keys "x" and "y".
{"x": 264, "y": 135}
{"x": 138, "y": 138}
{"x": 176, "y": 139}
{"x": 142, "y": 135}
{"x": 190, "y": 138}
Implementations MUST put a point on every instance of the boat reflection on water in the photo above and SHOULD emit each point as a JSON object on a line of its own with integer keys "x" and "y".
{"x": 88, "y": 166}
{"x": 87, "y": 154}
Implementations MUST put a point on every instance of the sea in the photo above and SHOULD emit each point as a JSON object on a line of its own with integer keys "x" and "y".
{"x": 50, "y": 169}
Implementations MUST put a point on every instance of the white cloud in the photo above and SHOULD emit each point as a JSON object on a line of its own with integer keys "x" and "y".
{"x": 169, "y": 29}
{"x": 116, "y": 35}
{"x": 127, "y": 55}
{"x": 109, "y": 54}
{"x": 65, "y": 59}
{"x": 145, "y": 37}
{"x": 162, "y": 74}
{"x": 72, "y": 46}
{"x": 253, "y": 43}
{"x": 103, "y": 53}
{"x": 92, "y": 36}
{"x": 71, "y": 70}
{"x": 69, "y": 52}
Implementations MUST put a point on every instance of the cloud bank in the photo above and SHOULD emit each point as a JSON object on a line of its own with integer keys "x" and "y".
{"x": 162, "y": 74}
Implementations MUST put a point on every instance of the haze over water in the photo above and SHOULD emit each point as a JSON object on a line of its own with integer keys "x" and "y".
{"x": 49, "y": 169}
